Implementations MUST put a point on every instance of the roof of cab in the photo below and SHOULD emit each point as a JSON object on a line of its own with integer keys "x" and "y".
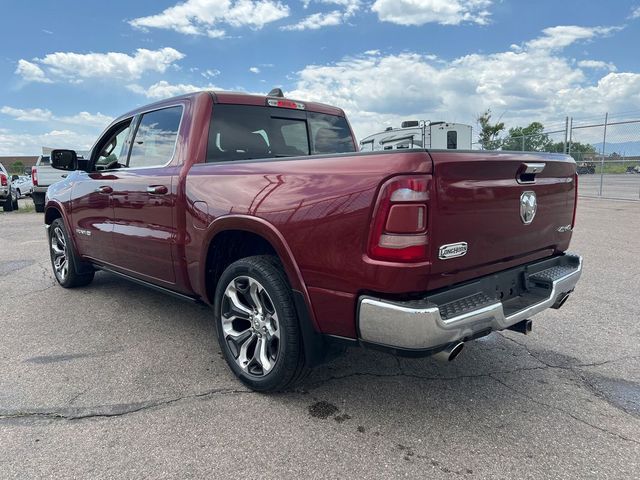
{"x": 237, "y": 98}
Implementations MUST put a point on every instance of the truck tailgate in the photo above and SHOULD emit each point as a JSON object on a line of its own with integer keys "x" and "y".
{"x": 478, "y": 200}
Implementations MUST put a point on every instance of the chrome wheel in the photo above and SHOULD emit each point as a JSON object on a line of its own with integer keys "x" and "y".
{"x": 250, "y": 325}
{"x": 59, "y": 254}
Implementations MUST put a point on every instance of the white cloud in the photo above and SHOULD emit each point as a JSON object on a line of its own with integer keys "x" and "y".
{"x": 534, "y": 82}
{"x": 635, "y": 13}
{"x": 332, "y": 18}
{"x": 203, "y": 17}
{"x": 557, "y": 38}
{"x": 28, "y": 115}
{"x": 317, "y": 20}
{"x": 444, "y": 12}
{"x": 31, "y": 72}
{"x": 164, "y": 89}
{"x": 597, "y": 64}
{"x": 43, "y": 115}
{"x": 255, "y": 70}
{"x": 19, "y": 143}
{"x": 75, "y": 67}
{"x": 210, "y": 73}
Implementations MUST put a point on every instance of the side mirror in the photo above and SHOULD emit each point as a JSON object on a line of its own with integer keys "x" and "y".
{"x": 64, "y": 159}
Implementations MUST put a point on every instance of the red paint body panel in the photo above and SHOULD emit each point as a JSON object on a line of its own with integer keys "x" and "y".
{"x": 316, "y": 212}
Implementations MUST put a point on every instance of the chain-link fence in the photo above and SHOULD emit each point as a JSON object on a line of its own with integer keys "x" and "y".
{"x": 607, "y": 153}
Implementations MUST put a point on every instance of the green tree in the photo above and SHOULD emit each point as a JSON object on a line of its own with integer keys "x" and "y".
{"x": 489, "y": 132}
{"x": 577, "y": 149}
{"x": 17, "y": 168}
{"x": 529, "y": 139}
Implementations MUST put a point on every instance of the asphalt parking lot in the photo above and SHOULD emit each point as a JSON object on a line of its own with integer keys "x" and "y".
{"x": 115, "y": 380}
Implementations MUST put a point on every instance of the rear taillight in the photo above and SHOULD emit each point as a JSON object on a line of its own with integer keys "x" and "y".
{"x": 3, "y": 179}
{"x": 575, "y": 203}
{"x": 399, "y": 230}
{"x": 34, "y": 176}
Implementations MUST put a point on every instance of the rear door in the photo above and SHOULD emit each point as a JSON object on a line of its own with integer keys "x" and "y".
{"x": 488, "y": 210}
{"x": 143, "y": 198}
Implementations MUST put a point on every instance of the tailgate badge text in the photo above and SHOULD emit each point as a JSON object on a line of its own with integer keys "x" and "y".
{"x": 452, "y": 250}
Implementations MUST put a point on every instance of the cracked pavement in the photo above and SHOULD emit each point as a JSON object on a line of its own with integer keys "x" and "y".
{"x": 115, "y": 380}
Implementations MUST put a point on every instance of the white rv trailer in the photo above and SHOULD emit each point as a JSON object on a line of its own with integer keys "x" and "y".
{"x": 420, "y": 134}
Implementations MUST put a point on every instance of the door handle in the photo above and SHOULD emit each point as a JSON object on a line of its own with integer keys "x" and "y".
{"x": 157, "y": 189}
{"x": 528, "y": 171}
{"x": 104, "y": 189}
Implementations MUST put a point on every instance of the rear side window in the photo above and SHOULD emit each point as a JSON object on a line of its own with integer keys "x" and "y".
{"x": 155, "y": 139}
{"x": 244, "y": 132}
{"x": 330, "y": 134}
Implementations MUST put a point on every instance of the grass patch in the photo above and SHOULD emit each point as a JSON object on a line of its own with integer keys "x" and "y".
{"x": 26, "y": 206}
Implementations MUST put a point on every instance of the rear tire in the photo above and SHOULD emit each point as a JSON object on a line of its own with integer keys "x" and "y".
{"x": 7, "y": 206}
{"x": 38, "y": 201}
{"x": 257, "y": 324}
{"x": 64, "y": 259}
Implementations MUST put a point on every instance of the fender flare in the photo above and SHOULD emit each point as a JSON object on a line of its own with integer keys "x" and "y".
{"x": 56, "y": 205}
{"x": 313, "y": 340}
{"x": 266, "y": 230}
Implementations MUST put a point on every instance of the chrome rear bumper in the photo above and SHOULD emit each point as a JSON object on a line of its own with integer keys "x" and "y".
{"x": 470, "y": 310}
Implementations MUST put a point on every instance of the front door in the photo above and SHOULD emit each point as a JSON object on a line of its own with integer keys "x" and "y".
{"x": 143, "y": 199}
{"x": 91, "y": 209}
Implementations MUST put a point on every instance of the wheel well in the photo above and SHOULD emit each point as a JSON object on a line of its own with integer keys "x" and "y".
{"x": 229, "y": 246}
{"x": 51, "y": 214}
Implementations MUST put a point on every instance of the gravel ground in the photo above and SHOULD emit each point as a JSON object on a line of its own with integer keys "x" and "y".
{"x": 115, "y": 380}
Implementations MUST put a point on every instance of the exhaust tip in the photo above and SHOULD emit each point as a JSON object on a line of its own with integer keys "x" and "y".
{"x": 560, "y": 300}
{"x": 455, "y": 351}
{"x": 450, "y": 353}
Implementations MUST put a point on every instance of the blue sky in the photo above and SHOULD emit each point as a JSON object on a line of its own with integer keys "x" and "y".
{"x": 67, "y": 67}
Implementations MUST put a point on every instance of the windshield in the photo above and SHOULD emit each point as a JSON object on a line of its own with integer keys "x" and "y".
{"x": 243, "y": 132}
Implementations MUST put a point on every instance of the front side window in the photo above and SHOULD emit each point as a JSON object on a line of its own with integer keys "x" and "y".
{"x": 113, "y": 153}
{"x": 244, "y": 132}
{"x": 155, "y": 139}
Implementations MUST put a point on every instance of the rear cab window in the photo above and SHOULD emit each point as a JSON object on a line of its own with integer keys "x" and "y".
{"x": 247, "y": 132}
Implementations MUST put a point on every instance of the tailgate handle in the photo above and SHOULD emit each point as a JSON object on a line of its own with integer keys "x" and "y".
{"x": 528, "y": 171}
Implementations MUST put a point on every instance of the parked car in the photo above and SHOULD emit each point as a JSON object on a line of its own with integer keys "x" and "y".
{"x": 23, "y": 186}
{"x": 43, "y": 175}
{"x": 8, "y": 196}
{"x": 262, "y": 208}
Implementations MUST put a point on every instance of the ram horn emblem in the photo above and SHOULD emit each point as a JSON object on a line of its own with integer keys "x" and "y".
{"x": 528, "y": 207}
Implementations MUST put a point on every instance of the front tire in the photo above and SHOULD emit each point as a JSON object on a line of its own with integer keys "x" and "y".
{"x": 257, "y": 325}
{"x": 64, "y": 259}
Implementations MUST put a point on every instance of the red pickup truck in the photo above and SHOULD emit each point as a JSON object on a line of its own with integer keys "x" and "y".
{"x": 261, "y": 207}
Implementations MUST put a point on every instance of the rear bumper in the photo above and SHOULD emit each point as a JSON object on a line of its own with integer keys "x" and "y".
{"x": 468, "y": 311}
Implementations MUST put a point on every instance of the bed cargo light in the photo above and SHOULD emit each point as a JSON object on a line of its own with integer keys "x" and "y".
{"x": 285, "y": 104}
